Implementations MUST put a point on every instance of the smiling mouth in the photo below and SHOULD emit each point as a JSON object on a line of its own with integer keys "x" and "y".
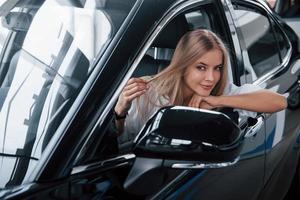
{"x": 207, "y": 87}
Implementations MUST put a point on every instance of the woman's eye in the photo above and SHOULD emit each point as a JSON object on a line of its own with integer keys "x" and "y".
{"x": 219, "y": 68}
{"x": 202, "y": 68}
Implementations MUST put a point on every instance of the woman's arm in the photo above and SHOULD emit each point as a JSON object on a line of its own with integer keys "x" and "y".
{"x": 258, "y": 101}
{"x": 133, "y": 89}
{"x": 120, "y": 125}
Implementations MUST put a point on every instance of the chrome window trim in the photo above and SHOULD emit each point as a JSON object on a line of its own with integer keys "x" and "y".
{"x": 171, "y": 12}
{"x": 228, "y": 8}
{"x": 276, "y": 70}
{"x": 204, "y": 165}
{"x": 117, "y": 160}
{"x": 288, "y": 55}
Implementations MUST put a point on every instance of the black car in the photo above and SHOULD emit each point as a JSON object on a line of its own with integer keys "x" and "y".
{"x": 289, "y": 11}
{"x": 64, "y": 64}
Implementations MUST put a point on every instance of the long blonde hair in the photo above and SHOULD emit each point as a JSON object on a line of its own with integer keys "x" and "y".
{"x": 192, "y": 45}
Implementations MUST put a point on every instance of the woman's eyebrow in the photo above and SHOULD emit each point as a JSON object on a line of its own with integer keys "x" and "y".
{"x": 202, "y": 63}
{"x": 219, "y": 65}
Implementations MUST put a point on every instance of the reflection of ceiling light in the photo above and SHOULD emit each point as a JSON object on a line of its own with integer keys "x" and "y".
{"x": 179, "y": 142}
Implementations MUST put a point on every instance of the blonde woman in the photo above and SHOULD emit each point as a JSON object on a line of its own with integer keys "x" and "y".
{"x": 196, "y": 77}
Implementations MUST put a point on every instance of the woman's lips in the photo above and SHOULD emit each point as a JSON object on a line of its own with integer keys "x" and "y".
{"x": 206, "y": 87}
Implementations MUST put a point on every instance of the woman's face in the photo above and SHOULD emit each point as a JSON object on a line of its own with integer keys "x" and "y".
{"x": 202, "y": 76}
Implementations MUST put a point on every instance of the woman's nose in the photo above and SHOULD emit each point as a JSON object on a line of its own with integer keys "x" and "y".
{"x": 209, "y": 76}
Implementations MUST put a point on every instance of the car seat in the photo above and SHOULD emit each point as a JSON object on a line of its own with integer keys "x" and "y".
{"x": 167, "y": 39}
{"x": 11, "y": 70}
{"x": 150, "y": 65}
{"x": 8, "y": 78}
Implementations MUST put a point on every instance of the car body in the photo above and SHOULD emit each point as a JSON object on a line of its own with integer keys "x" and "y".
{"x": 64, "y": 64}
{"x": 289, "y": 11}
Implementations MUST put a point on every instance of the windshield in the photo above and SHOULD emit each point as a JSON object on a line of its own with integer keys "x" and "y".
{"x": 48, "y": 49}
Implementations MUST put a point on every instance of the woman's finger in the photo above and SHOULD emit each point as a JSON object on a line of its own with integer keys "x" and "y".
{"x": 135, "y": 87}
{"x": 134, "y": 84}
{"x": 205, "y": 105}
{"x": 135, "y": 95}
{"x": 195, "y": 101}
{"x": 134, "y": 90}
{"x": 198, "y": 101}
{"x": 133, "y": 80}
{"x": 192, "y": 102}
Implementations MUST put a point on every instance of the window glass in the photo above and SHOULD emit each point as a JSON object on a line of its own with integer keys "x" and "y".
{"x": 259, "y": 38}
{"x": 50, "y": 67}
{"x": 198, "y": 19}
{"x": 3, "y": 35}
{"x": 283, "y": 43}
{"x": 3, "y": 31}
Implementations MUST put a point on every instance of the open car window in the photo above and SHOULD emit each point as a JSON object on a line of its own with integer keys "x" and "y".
{"x": 156, "y": 58}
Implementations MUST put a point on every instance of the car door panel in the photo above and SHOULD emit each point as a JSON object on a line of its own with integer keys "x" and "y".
{"x": 281, "y": 129}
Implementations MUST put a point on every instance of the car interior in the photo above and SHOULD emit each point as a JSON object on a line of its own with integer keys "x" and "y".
{"x": 18, "y": 23}
{"x": 160, "y": 53}
{"x": 163, "y": 47}
{"x": 157, "y": 57}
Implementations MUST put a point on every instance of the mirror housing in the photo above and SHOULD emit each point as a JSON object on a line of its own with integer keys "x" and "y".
{"x": 182, "y": 138}
{"x": 189, "y": 134}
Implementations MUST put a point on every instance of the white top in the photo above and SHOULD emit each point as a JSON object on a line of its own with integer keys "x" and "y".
{"x": 139, "y": 113}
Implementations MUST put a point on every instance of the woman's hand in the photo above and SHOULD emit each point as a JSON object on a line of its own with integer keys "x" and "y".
{"x": 212, "y": 101}
{"x": 209, "y": 102}
{"x": 199, "y": 102}
{"x": 195, "y": 101}
{"x": 134, "y": 88}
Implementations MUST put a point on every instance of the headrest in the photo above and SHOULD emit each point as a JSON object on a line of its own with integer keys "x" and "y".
{"x": 150, "y": 66}
{"x": 171, "y": 34}
{"x": 17, "y": 21}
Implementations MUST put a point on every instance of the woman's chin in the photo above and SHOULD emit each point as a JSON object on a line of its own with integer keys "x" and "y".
{"x": 203, "y": 94}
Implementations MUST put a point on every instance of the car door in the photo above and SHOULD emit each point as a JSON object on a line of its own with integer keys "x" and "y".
{"x": 104, "y": 171}
{"x": 270, "y": 64}
{"x": 249, "y": 171}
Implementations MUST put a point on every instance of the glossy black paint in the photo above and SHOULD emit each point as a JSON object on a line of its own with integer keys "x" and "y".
{"x": 167, "y": 136}
{"x": 58, "y": 177}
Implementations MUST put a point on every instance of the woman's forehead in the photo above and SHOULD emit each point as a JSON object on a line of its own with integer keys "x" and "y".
{"x": 213, "y": 57}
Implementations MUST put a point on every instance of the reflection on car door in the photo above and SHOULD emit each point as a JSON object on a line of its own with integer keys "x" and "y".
{"x": 279, "y": 126}
{"x": 289, "y": 10}
{"x": 249, "y": 170}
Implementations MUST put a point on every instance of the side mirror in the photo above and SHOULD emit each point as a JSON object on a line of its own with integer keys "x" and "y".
{"x": 184, "y": 133}
{"x": 17, "y": 21}
{"x": 184, "y": 138}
